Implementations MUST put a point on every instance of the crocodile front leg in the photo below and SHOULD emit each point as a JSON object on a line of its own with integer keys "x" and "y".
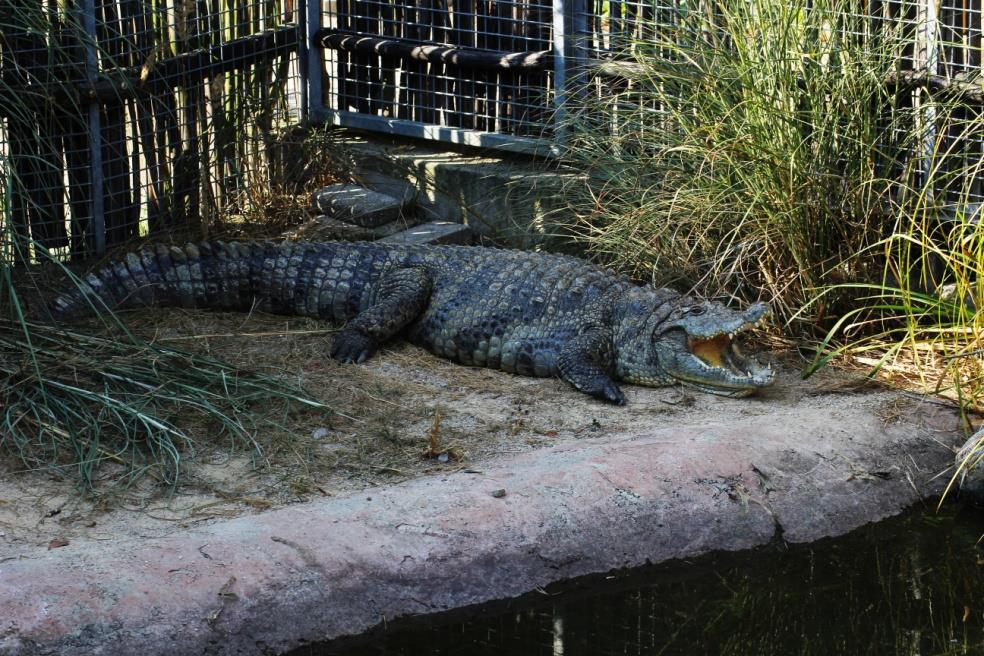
{"x": 401, "y": 296}
{"x": 585, "y": 361}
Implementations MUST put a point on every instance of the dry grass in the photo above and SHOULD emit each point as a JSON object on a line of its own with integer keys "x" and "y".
{"x": 97, "y": 401}
{"x": 303, "y": 160}
{"x": 383, "y": 428}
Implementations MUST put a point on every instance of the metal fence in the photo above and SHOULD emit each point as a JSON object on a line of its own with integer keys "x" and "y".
{"x": 457, "y": 70}
{"x": 472, "y": 71}
{"x": 120, "y": 117}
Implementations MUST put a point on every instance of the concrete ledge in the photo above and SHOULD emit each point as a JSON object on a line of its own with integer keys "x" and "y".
{"x": 434, "y": 232}
{"x": 270, "y": 582}
{"x": 356, "y": 205}
{"x": 507, "y": 200}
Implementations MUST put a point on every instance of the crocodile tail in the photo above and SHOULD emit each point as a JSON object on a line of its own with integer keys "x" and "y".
{"x": 216, "y": 275}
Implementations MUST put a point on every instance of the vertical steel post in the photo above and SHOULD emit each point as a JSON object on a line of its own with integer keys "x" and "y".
{"x": 927, "y": 57}
{"x": 559, "y": 71}
{"x": 98, "y": 224}
{"x": 315, "y": 61}
{"x": 303, "y": 45}
{"x": 578, "y": 43}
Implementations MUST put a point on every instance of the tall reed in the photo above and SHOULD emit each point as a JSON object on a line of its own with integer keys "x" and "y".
{"x": 921, "y": 319}
{"x": 742, "y": 148}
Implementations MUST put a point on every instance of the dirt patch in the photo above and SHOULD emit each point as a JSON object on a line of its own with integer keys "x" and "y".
{"x": 665, "y": 487}
{"x": 403, "y": 415}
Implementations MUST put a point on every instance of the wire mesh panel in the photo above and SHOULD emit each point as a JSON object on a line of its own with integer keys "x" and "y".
{"x": 476, "y": 65}
{"x": 120, "y": 117}
{"x": 938, "y": 54}
{"x": 960, "y": 144}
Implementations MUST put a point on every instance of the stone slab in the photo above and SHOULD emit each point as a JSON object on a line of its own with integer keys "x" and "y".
{"x": 434, "y": 232}
{"x": 323, "y": 227}
{"x": 357, "y": 205}
{"x": 267, "y": 583}
{"x": 508, "y": 200}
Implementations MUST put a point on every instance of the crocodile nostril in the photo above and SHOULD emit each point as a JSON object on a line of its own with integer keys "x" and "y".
{"x": 755, "y": 312}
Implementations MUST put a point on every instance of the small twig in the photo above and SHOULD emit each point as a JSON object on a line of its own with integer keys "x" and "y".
{"x": 963, "y": 355}
{"x": 276, "y": 333}
{"x": 379, "y": 400}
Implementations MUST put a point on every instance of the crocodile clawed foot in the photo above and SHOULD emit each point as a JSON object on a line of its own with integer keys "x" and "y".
{"x": 353, "y": 346}
{"x": 603, "y": 389}
{"x": 610, "y": 392}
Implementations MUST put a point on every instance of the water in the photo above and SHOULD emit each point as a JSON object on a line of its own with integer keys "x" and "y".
{"x": 910, "y": 585}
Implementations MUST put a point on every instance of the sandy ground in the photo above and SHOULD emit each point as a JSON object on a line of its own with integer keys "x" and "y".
{"x": 671, "y": 476}
{"x": 403, "y": 415}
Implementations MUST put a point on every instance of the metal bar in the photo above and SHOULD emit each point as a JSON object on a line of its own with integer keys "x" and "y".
{"x": 492, "y": 60}
{"x": 926, "y": 56}
{"x": 95, "y": 130}
{"x": 579, "y": 44}
{"x": 126, "y": 82}
{"x": 315, "y": 97}
{"x": 405, "y": 128}
{"x": 939, "y": 84}
{"x": 560, "y": 70}
{"x": 304, "y": 46}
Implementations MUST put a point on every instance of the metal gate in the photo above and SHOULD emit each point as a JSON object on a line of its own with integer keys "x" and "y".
{"x": 481, "y": 72}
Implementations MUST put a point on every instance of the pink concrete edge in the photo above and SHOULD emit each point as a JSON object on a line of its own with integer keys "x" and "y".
{"x": 267, "y": 583}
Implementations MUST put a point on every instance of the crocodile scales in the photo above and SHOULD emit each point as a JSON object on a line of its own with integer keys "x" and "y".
{"x": 533, "y": 314}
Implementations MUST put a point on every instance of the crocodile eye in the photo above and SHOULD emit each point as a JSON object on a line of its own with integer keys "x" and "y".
{"x": 696, "y": 310}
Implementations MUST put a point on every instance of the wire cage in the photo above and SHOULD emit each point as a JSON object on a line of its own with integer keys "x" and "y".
{"x": 121, "y": 117}
{"x": 470, "y": 66}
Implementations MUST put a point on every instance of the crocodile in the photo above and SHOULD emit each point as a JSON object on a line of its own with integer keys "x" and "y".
{"x": 533, "y": 314}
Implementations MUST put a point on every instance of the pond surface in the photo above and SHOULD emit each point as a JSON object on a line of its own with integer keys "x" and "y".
{"x": 909, "y": 585}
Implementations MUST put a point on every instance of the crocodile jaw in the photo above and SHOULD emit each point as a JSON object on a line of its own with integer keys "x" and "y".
{"x": 710, "y": 360}
{"x": 717, "y": 366}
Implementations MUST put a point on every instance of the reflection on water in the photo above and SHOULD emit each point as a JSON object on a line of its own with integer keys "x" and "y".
{"x": 910, "y": 585}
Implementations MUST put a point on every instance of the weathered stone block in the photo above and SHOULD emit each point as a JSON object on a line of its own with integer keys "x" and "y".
{"x": 326, "y": 228}
{"x": 506, "y": 200}
{"x": 356, "y": 205}
{"x": 435, "y": 232}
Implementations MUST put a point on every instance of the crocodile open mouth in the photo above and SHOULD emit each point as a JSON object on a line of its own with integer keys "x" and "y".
{"x": 716, "y": 351}
{"x": 718, "y": 365}
{"x": 700, "y": 350}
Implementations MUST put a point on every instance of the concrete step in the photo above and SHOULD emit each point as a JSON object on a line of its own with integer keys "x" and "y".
{"x": 356, "y": 205}
{"x": 327, "y": 228}
{"x": 435, "y": 232}
{"x": 506, "y": 200}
